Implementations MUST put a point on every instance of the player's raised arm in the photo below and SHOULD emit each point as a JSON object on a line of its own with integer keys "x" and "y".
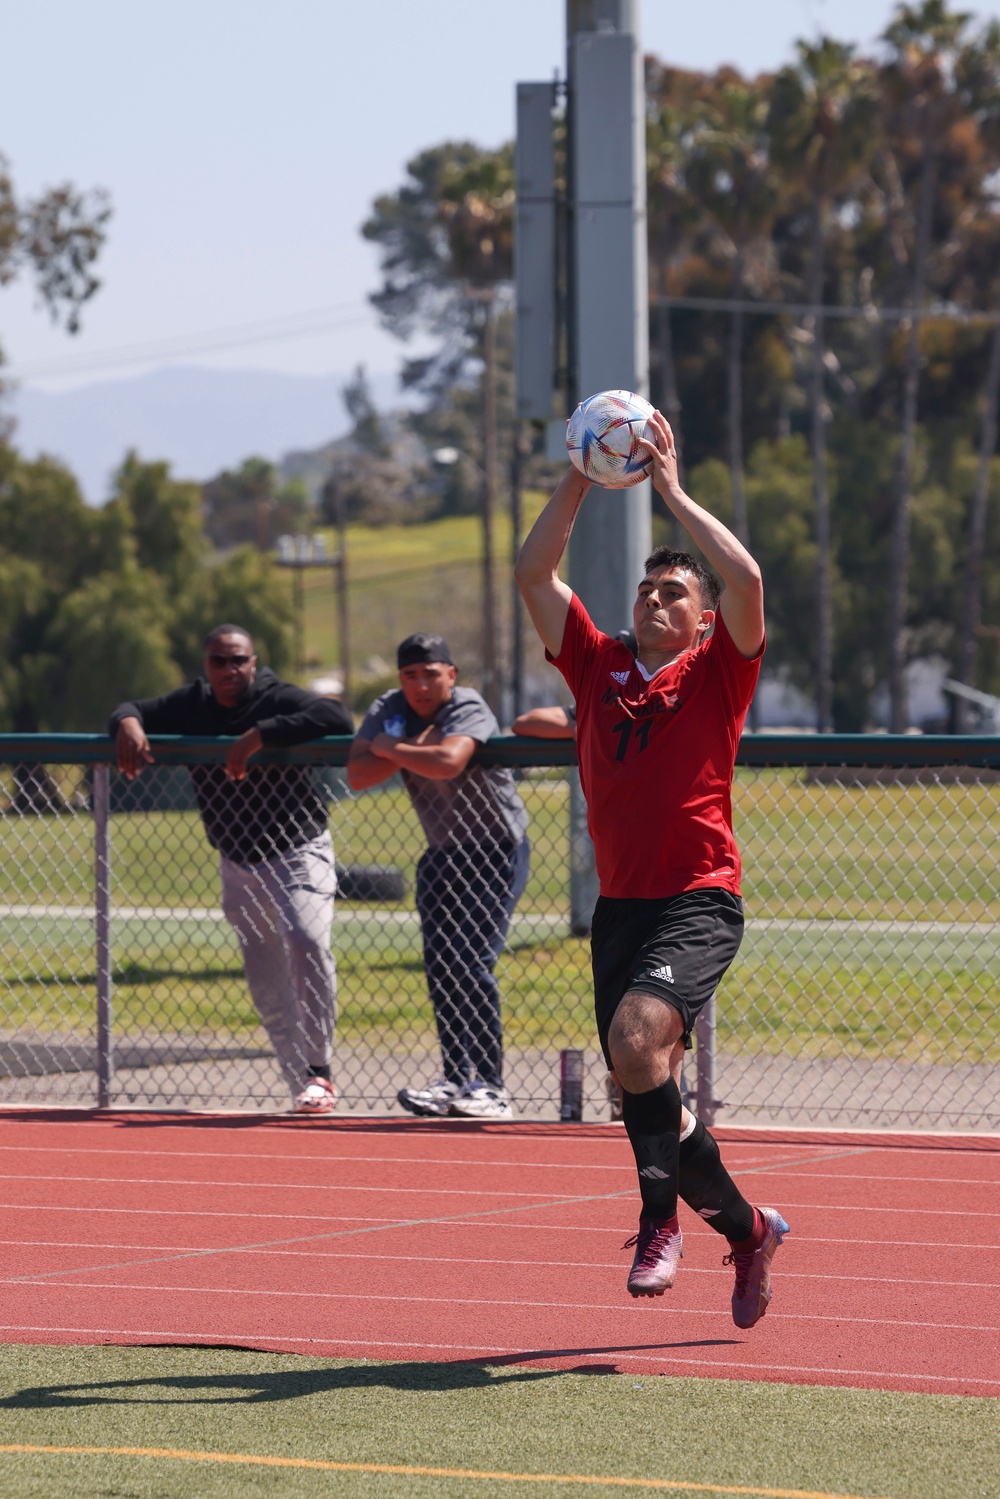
{"x": 546, "y": 596}
{"x": 742, "y": 603}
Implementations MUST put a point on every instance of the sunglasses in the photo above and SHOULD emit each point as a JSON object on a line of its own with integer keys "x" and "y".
{"x": 221, "y": 662}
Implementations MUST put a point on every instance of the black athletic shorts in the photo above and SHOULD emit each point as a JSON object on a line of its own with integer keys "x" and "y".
{"x": 677, "y": 948}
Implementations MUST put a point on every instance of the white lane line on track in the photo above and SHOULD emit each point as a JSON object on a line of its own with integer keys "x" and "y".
{"x": 799, "y": 1241}
{"x": 483, "y": 1164}
{"x": 380, "y": 1227}
{"x": 513, "y": 1355}
{"x": 386, "y": 1225}
{"x": 546, "y": 1264}
{"x": 875, "y": 1176}
{"x": 309, "y": 1130}
{"x": 426, "y": 1191}
{"x": 176, "y": 1181}
{"x": 632, "y": 1307}
{"x": 325, "y": 1160}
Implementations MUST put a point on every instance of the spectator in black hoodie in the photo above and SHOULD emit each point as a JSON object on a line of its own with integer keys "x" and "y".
{"x": 270, "y": 828}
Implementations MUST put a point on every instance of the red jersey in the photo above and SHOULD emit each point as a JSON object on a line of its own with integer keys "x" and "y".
{"x": 656, "y": 759}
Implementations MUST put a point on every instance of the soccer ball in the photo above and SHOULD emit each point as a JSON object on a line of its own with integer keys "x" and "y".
{"x": 602, "y": 438}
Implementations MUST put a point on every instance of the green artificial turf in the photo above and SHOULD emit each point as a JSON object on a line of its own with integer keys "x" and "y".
{"x": 888, "y": 855}
{"x": 509, "y": 1419}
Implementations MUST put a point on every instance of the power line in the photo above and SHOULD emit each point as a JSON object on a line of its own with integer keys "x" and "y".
{"x": 308, "y": 324}
{"x": 871, "y": 313}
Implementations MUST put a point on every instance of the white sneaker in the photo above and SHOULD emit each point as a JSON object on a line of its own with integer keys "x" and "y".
{"x": 430, "y": 1102}
{"x": 481, "y": 1101}
{"x": 317, "y": 1097}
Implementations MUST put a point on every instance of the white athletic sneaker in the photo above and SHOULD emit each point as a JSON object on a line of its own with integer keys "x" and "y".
{"x": 430, "y": 1102}
{"x": 317, "y": 1097}
{"x": 481, "y": 1101}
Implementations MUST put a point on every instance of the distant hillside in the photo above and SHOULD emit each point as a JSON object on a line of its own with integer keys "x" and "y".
{"x": 199, "y": 420}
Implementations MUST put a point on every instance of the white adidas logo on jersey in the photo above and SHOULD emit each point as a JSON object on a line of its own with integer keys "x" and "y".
{"x": 621, "y": 677}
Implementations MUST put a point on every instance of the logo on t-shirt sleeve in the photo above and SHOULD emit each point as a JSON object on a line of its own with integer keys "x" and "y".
{"x": 621, "y": 677}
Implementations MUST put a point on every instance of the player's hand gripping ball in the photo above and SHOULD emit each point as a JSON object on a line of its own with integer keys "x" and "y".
{"x": 603, "y": 435}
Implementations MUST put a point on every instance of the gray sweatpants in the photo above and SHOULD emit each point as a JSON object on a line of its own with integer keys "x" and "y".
{"x": 282, "y": 911}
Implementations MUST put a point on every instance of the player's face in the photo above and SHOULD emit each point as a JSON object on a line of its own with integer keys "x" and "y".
{"x": 230, "y": 665}
{"x": 668, "y": 613}
{"x": 427, "y": 686}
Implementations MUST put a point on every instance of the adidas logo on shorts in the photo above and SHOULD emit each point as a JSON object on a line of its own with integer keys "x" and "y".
{"x": 666, "y": 973}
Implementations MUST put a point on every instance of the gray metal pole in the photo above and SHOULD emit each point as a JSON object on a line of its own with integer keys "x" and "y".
{"x": 705, "y": 1102}
{"x": 102, "y": 932}
{"x": 608, "y": 318}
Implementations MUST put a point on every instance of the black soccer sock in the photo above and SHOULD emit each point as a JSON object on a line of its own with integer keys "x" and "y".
{"x": 653, "y": 1123}
{"x": 320, "y": 1072}
{"x": 706, "y": 1186}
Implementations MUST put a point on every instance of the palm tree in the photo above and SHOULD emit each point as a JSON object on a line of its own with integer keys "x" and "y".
{"x": 981, "y": 77}
{"x": 822, "y": 135}
{"x": 923, "y": 100}
{"x": 729, "y": 176}
{"x": 670, "y": 215}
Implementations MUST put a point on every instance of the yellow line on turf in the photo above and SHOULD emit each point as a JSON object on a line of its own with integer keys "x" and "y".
{"x": 675, "y": 1485}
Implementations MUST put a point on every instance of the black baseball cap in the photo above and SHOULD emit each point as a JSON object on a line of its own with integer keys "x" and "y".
{"x": 420, "y": 649}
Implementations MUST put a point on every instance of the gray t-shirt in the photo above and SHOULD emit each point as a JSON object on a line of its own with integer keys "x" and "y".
{"x": 481, "y": 803}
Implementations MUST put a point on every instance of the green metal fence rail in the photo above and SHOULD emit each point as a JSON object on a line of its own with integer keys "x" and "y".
{"x": 864, "y": 993}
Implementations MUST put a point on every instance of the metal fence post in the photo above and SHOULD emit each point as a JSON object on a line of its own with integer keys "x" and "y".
{"x": 102, "y": 931}
{"x": 705, "y": 1102}
{"x": 582, "y": 874}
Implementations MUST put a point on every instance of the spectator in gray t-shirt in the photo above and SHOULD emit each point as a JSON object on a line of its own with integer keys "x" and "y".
{"x": 472, "y": 873}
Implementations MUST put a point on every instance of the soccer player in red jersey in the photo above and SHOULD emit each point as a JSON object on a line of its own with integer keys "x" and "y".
{"x": 657, "y": 736}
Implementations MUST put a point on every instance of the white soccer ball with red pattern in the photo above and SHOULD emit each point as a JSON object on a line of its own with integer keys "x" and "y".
{"x": 603, "y": 435}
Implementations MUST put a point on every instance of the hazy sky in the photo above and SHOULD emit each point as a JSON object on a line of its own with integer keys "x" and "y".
{"x": 243, "y": 142}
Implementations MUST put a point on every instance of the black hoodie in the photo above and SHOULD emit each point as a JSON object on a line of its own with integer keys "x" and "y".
{"x": 275, "y": 808}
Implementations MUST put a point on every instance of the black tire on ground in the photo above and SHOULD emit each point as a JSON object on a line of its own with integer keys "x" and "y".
{"x": 370, "y": 882}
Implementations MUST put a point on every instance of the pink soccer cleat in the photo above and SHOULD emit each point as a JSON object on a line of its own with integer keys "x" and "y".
{"x": 659, "y": 1249}
{"x": 752, "y": 1291}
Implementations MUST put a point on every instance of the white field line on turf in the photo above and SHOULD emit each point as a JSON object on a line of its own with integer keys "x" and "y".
{"x": 809, "y": 926}
{"x": 370, "y": 1227}
{"x": 484, "y": 1353}
{"x": 371, "y": 1298}
{"x": 546, "y": 1264}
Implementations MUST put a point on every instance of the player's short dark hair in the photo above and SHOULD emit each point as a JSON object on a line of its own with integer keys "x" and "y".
{"x": 708, "y": 584}
{"x": 220, "y": 630}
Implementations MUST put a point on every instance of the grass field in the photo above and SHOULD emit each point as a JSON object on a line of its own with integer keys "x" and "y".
{"x": 406, "y": 578}
{"x": 874, "y": 925}
{"x": 691, "y": 1436}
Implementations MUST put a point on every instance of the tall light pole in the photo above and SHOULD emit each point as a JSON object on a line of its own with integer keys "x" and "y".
{"x": 608, "y": 292}
{"x": 582, "y": 306}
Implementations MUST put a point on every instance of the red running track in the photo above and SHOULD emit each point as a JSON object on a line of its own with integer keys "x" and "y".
{"x": 398, "y": 1240}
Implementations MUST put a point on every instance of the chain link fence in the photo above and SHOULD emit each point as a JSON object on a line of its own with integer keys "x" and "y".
{"x": 864, "y": 993}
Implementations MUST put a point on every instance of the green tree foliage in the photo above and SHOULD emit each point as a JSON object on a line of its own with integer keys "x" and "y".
{"x": 99, "y": 605}
{"x": 883, "y": 180}
{"x": 375, "y": 475}
{"x": 56, "y": 237}
{"x": 251, "y": 505}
